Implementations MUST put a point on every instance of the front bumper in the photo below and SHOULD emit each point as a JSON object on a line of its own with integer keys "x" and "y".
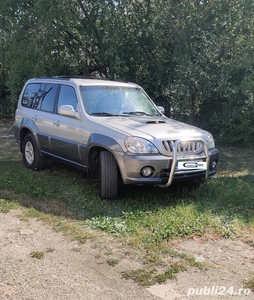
{"x": 165, "y": 168}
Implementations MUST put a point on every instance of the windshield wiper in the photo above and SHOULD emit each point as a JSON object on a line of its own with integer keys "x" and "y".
{"x": 103, "y": 114}
{"x": 137, "y": 113}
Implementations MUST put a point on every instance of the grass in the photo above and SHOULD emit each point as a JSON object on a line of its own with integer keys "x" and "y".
{"x": 250, "y": 284}
{"x": 148, "y": 277}
{"x": 112, "y": 262}
{"x": 5, "y": 206}
{"x": 37, "y": 254}
{"x": 145, "y": 218}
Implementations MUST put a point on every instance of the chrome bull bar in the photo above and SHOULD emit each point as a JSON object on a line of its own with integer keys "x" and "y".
{"x": 175, "y": 159}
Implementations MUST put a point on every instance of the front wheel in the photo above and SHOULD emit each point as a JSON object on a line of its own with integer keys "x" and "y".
{"x": 31, "y": 155}
{"x": 108, "y": 178}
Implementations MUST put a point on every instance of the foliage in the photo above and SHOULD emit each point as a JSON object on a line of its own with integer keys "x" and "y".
{"x": 193, "y": 57}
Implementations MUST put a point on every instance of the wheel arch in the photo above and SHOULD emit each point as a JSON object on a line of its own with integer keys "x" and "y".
{"x": 96, "y": 144}
{"x": 28, "y": 127}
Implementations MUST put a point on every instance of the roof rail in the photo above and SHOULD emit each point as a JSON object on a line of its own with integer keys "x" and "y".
{"x": 78, "y": 77}
{"x": 69, "y": 77}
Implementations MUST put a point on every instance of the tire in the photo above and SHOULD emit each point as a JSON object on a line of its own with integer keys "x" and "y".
{"x": 108, "y": 176}
{"x": 31, "y": 155}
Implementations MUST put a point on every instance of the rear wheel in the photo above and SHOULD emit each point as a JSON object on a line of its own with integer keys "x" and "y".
{"x": 108, "y": 178}
{"x": 31, "y": 155}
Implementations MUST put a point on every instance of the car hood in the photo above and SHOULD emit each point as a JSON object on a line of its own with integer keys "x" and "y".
{"x": 154, "y": 127}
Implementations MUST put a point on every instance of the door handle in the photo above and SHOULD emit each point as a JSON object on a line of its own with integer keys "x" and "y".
{"x": 57, "y": 123}
{"x": 34, "y": 117}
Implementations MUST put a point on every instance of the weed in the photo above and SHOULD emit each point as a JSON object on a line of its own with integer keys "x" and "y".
{"x": 31, "y": 213}
{"x": 174, "y": 269}
{"x": 5, "y": 205}
{"x": 148, "y": 277}
{"x": 112, "y": 262}
{"x": 111, "y": 225}
{"x": 50, "y": 250}
{"x": 170, "y": 273}
{"x": 141, "y": 276}
{"x": 37, "y": 254}
{"x": 250, "y": 284}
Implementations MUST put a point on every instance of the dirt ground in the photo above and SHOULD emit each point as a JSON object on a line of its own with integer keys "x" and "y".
{"x": 72, "y": 271}
{"x": 67, "y": 270}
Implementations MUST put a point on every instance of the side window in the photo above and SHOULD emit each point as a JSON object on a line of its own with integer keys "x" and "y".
{"x": 48, "y": 96}
{"x": 30, "y": 94}
{"x": 67, "y": 96}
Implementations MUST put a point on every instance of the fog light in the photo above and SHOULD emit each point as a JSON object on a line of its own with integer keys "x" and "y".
{"x": 214, "y": 164}
{"x": 147, "y": 171}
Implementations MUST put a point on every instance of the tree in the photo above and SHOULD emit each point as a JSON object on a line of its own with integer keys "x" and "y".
{"x": 193, "y": 57}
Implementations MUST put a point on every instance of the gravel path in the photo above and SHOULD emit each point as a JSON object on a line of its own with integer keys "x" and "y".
{"x": 66, "y": 271}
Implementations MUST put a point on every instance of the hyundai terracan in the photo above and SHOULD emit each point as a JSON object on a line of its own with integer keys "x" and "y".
{"x": 112, "y": 130}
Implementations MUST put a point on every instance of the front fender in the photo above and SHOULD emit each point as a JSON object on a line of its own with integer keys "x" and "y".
{"x": 96, "y": 143}
{"x": 107, "y": 142}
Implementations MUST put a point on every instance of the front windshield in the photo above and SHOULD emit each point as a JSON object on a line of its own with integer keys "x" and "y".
{"x": 115, "y": 100}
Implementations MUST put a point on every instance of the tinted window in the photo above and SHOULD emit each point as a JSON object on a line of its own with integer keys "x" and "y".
{"x": 67, "y": 96}
{"x": 30, "y": 94}
{"x": 47, "y": 97}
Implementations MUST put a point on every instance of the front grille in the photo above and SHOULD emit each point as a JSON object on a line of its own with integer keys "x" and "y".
{"x": 184, "y": 147}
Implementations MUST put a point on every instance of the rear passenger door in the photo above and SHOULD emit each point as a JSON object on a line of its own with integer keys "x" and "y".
{"x": 44, "y": 114}
{"x": 40, "y": 99}
{"x": 66, "y": 131}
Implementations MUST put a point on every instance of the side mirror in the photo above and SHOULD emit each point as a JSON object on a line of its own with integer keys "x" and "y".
{"x": 68, "y": 111}
{"x": 161, "y": 109}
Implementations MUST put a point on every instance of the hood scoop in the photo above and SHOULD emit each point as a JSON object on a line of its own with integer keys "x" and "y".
{"x": 156, "y": 122}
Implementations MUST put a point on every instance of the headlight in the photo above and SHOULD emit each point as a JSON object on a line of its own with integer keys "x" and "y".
{"x": 210, "y": 140}
{"x": 139, "y": 145}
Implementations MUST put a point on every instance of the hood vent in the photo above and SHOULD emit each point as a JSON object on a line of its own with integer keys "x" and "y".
{"x": 155, "y": 122}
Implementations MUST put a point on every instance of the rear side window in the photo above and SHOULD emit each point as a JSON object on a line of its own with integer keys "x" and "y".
{"x": 40, "y": 96}
{"x": 48, "y": 97}
{"x": 30, "y": 94}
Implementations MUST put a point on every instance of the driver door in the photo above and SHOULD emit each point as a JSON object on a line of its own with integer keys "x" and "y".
{"x": 66, "y": 131}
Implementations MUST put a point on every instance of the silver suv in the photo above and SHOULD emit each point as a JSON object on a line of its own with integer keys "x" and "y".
{"x": 112, "y": 130}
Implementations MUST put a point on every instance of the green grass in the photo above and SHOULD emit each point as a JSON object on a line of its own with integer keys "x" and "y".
{"x": 148, "y": 277}
{"x": 5, "y": 206}
{"x": 145, "y": 218}
{"x": 112, "y": 262}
